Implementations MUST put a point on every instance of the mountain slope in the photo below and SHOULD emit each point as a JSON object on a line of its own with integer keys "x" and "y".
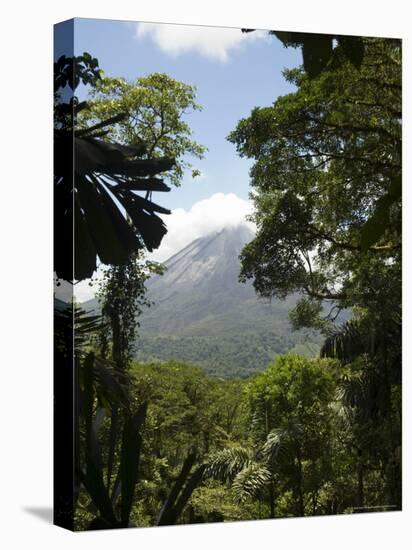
{"x": 203, "y": 315}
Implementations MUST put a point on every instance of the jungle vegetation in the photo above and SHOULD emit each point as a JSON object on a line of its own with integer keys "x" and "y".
{"x": 166, "y": 443}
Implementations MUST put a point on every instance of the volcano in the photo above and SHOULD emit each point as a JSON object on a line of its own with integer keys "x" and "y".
{"x": 203, "y": 315}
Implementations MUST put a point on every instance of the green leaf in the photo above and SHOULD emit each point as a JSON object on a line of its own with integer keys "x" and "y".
{"x": 354, "y": 49}
{"x": 250, "y": 481}
{"x": 109, "y": 385}
{"x": 378, "y": 223}
{"x": 93, "y": 482}
{"x": 225, "y": 464}
{"x": 316, "y": 51}
{"x": 88, "y": 395}
{"x": 130, "y": 456}
{"x": 167, "y": 516}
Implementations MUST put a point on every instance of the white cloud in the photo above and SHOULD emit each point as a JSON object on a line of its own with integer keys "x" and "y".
{"x": 83, "y": 291}
{"x": 205, "y": 216}
{"x": 183, "y": 227}
{"x": 211, "y": 42}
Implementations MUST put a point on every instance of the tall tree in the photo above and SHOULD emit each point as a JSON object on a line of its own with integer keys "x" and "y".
{"x": 96, "y": 183}
{"x": 327, "y": 191}
{"x": 326, "y": 186}
{"x": 322, "y": 51}
{"x": 290, "y": 436}
{"x": 156, "y": 109}
{"x": 123, "y": 296}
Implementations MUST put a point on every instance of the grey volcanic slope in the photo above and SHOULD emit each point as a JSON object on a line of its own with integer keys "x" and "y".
{"x": 203, "y": 315}
{"x": 201, "y": 281}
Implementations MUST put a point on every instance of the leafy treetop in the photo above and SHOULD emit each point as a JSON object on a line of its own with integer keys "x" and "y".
{"x": 156, "y": 107}
{"x": 326, "y": 185}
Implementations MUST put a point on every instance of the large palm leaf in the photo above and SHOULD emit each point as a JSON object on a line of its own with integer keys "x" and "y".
{"x": 98, "y": 209}
{"x": 281, "y": 441}
{"x": 347, "y": 342}
{"x": 111, "y": 221}
{"x": 227, "y": 463}
{"x": 373, "y": 353}
{"x": 250, "y": 481}
{"x": 358, "y": 336}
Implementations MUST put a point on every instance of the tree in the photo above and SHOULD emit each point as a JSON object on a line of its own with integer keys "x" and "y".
{"x": 189, "y": 416}
{"x": 99, "y": 388}
{"x": 123, "y": 296}
{"x": 112, "y": 223}
{"x": 150, "y": 111}
{"x": 155, "y": 109}
{"x": 93, "y": 176}
{"x": 327, "y": 182}
{"x": 323, "y": 51}
{"x": 112, "y": 504}
{"x": 326, "y": 185}
{"x": 291, "y": 434}
{"x": 292, "y": 418}
{"x": 370, "y": 394}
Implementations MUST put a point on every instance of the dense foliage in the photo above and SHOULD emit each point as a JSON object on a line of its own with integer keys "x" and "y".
{"x": 153, "y": 110}
{"x": 327, "y": 191}
{"x": 166, "y": 442}
{"x": 97, "y": 207}
{"x": 284, "y": 443}
{"x": 230, "y": 356}
{"x": 326, "y": 183}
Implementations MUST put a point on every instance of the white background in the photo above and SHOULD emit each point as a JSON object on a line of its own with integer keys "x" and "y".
{"x": 26, "y": 267}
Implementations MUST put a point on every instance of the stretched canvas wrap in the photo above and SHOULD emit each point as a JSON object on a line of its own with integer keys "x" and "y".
{"x": 227, "y": 274}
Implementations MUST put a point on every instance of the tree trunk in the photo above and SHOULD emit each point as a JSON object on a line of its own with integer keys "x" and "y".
{"x": 360, "y": 490}
{"x": 301, "y": 505}
{"x": 272, "y": 499}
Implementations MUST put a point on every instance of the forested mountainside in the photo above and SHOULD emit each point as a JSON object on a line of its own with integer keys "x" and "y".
{"x": 203, "y": 315}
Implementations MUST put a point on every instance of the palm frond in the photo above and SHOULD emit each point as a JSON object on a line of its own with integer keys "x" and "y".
{"x": 250, "y": 481}
{"x": 97, "y": 183}
{"x": 365, "y": 391}
{"x": 71, "y": 320}
{"x": 360, "y": 336}
{"x": 227, "y": 463}
{"x": 279, "y": 439}
{"x": 274, "y": 444}
{"x": 346, "y": 343}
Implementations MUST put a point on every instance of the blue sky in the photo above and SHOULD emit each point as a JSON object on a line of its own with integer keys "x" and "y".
{"x": 233, "y": 73}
